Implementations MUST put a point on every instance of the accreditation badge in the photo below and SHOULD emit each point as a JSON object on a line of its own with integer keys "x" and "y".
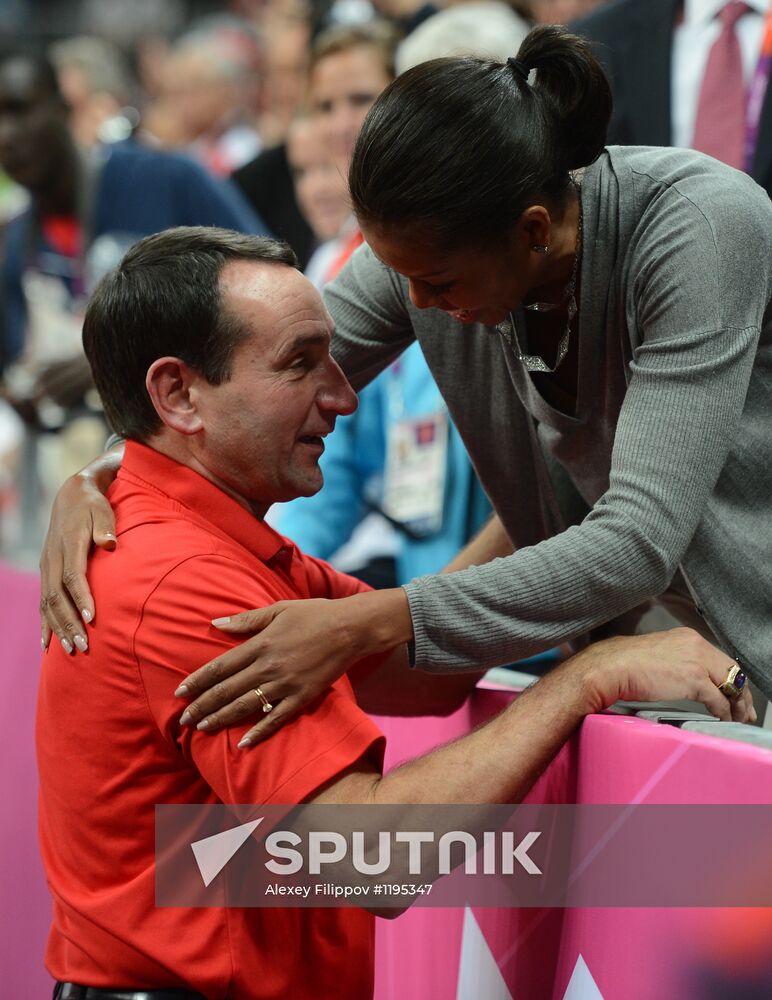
{"x": 416, "y": 466}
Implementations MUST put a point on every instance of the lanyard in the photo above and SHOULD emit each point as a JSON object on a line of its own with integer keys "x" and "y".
{"x": 757, "y": 93}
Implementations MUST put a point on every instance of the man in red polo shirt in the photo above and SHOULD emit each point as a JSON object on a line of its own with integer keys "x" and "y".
{"x": 211, "y": 353}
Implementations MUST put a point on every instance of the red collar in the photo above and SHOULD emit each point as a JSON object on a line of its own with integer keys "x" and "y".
{"x": 203, "y": 502}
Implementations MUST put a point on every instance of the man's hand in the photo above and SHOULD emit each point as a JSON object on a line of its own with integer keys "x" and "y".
{"x": 81, "y": 516}
{"x": 662, "y": 666}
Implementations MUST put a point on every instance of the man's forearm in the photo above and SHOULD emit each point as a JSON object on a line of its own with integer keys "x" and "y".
{"x": 490, "y": 543}
{"x": 498, "y": 762}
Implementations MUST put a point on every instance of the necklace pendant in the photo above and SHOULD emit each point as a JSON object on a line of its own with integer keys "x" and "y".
{"x": 543, "y": 307}
{"x": 508, "y": 330}
{"x": 533, "y": 363}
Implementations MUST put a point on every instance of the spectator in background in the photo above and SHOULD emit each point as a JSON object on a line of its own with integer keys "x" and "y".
{"x": 406, "y": 15}
{"x": 287, "y": 38}
{"x": 563, "y": 11}
{"x": 85, "y": 211}
{"x": 689, "y": 84}
{"x": 321, "y": 196}
{"x": 478, "y": 27}
{"x": 398, "y": 471}
{"x": 266, "y": 183}
{"x": 401, "y": 497}
{"x": 208, "y": 101}
{"x": 348, "y": 69}
{"x": 96, "y": 84}
{"x": 350, "y": 66}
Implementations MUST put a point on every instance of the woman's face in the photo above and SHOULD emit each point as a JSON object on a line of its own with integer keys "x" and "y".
{"x": 320, "y": 190}
{"x": 473, "y": 286}
{"x": 342, "y": 88}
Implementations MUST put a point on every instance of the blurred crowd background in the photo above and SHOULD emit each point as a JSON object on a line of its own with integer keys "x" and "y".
{"x": 266, "y": 98}
{"x": 119, "y": 119}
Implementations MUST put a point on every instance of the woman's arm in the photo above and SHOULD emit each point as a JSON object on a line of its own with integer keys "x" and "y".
{"x": 491, "y": 542}
{"x": 81, "y": 517}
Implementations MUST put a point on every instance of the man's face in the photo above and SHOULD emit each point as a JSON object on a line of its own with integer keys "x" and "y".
{"x": 34, "y": 137}
{"x": 263, "y": 429}
{"x": 199, "y": 98}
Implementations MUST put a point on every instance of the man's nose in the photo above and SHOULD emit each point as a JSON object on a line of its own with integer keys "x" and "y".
{"x": 337, "y": 395}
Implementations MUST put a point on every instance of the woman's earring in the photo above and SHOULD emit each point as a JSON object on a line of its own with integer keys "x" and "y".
{"x": 540, "y": 248}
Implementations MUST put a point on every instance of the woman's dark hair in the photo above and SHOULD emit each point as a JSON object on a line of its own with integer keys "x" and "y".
{"x": 456, "y": 149}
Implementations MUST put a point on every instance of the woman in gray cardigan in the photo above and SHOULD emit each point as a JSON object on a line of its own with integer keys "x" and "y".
{"x": 598, "y": 321}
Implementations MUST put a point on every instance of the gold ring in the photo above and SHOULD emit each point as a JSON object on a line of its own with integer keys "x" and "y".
{"x": 267, "y": 706}
{"x": 734, "y": 683}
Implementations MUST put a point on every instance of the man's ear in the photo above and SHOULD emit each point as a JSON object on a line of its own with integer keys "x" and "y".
{"x": 171, "y": 386}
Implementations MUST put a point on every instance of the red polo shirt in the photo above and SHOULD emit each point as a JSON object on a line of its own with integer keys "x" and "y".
{"x": 110, "y": 747}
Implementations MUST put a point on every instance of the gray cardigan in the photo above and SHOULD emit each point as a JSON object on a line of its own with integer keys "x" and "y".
{"x": 671, "y": 444}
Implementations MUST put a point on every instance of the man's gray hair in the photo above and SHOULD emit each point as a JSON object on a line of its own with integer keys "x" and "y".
{"x": 487, "y": 29}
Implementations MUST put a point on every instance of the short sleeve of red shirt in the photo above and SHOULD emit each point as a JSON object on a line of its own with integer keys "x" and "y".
{"x": 325, "y": 581}
{"x": 175, "y": 636}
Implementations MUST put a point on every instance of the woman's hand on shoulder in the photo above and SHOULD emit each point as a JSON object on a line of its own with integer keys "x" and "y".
{"x": 297, "y": 650}
{"x": 80, "y": 517}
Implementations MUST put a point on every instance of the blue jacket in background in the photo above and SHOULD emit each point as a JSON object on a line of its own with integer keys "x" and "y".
{"x": 353, "y": 463}
{"x": 138, "y": 191}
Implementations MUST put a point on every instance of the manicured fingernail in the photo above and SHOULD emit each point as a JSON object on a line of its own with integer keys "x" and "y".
{"x": 42, "y": 643}
{"x": 204, "y": 724}
{"x": 80, "y": 642}
{"x": 186, "y": 718}
{"x": 66, "y": 645}
{"x": 181, "y": 691}
{"x": 109, "y": 534}
{"x": 245, "y": 741}
{"x": 86, "y": 616}
{"x": 217, "y": 622}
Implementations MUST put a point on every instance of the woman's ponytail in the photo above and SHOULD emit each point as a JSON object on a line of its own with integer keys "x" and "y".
{"x": 571, "y": 80}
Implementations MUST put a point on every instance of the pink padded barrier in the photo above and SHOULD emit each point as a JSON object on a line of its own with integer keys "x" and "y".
{"x": 25, "y": 912}
{"x": 577, "y": 954}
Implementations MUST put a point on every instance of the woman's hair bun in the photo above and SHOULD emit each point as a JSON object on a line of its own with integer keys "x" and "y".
{"x": 572, "y": 82}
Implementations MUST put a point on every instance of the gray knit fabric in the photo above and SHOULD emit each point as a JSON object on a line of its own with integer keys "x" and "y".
{"x": 672, "y": 440}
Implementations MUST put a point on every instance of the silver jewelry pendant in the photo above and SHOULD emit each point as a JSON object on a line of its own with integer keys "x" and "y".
{"x": 543, "y": 307}
{"x": 533, "y": 362}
